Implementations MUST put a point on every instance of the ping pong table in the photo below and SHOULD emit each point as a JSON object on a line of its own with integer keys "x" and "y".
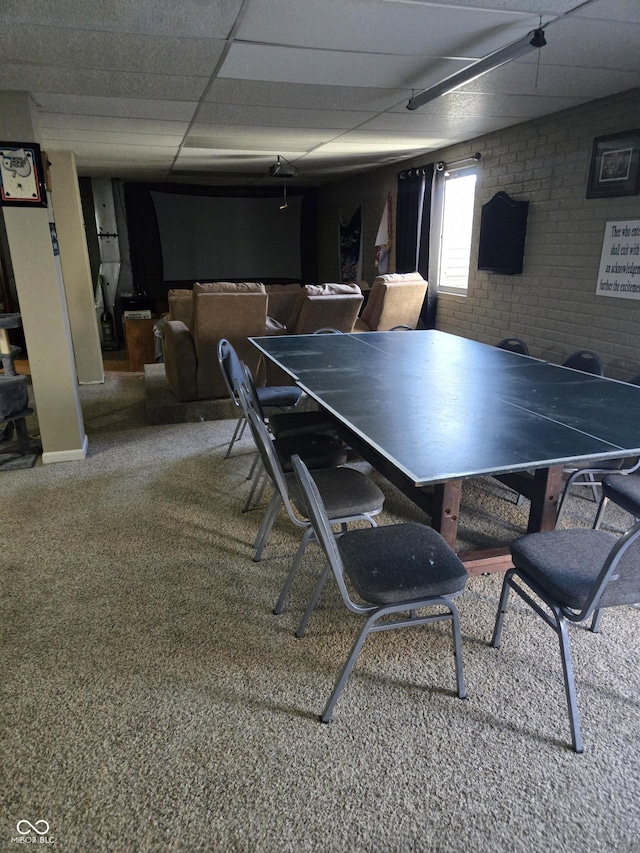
{"x": 429, "y": 410}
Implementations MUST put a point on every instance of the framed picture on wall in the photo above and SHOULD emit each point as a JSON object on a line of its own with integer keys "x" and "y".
{"x": 615, "y": 165}
{"x": 21, "y": 175}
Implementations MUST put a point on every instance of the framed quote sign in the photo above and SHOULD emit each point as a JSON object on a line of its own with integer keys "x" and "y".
{"x": 21, "y": 175}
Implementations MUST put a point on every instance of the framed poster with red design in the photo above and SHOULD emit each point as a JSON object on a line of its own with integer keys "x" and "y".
{"x": 21, "y": 175}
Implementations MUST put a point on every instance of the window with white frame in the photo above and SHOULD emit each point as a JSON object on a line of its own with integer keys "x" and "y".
{"x": 455, "y": 240}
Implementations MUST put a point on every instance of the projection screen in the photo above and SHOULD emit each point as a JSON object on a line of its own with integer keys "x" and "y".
{"x": 221, "y": 237}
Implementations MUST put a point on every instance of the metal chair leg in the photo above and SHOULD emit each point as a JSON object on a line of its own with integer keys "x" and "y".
{"x": 293, "y": 571}
{"x": 569, "y": 682}
{"x": 502, "y": 608}
{"x": 266, "y": 526}
{"x": 599, "y": 514}
{"x": 595, "y": 622}
{"x": 457, "y": 651}
{"x": 302, "y": 626}
{"x": 346, "y": 669}
{"x": 237, "y": 434}
{"x": 258, "y": 480}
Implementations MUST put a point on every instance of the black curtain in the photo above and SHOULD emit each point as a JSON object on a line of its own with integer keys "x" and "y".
{"x": 413, "y": 224}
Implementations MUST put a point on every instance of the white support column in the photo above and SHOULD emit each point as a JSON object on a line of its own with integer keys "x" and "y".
{"x": 76, "y": 269}
{"x": 43, "y": 306}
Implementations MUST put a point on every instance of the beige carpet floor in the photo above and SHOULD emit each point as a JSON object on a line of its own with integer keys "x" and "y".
{"x": 151, "y": 701}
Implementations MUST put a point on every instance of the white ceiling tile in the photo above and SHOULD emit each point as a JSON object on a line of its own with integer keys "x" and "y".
{"x": 148, "y": 140}
{"x": 259, "y": 116}
{"x": 587, "y": 44}
{"x": 90, "y": 105}
{"x": 520, "y": 107}
{"x": 212, "y": 136}
{"x": 416, "y": 122}
{"x": 191, "y": 18}
{"x": 81, "y": 49}
{"x": 363, "y": 26}
{"x": 335, "y": 68}
{"x": 68, "y": 81}
{"x": 312, "y": 96}
{"x": 611, "y": 10}
{"x": 112, "y": 124}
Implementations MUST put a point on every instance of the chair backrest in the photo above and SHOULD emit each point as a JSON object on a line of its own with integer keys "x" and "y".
{"x": 264, "y": 444}
{"x": 585, "y": 360}
{"x": 513, "y": 345}
{"x": 231, "y": 367}
{"x": 325, "y": 305}
{"x": 234, "y": 315}
{"x": 395, "y": 300}
{"x": 320, "y": 523}
{"x": 619, "y": 580}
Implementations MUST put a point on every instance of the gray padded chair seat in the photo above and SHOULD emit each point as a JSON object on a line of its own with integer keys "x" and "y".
{"x": 279, "y": 396}
{"x": 623, "y": 490}
{"x": 284, "y": 424}
{"x": 564, "y": 562}
{"x": 345, "y": 492}
{"x": 400, "y": 562}
{"x": 318, "y": 451}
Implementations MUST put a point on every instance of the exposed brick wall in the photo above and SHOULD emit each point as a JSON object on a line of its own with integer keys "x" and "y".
{"x": 552, "y": 305}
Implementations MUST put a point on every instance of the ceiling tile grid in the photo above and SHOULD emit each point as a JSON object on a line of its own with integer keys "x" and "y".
{"x": 215, "y": 90}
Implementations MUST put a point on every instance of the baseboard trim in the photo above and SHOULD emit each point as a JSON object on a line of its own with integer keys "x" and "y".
{"x": 67, "y": 455}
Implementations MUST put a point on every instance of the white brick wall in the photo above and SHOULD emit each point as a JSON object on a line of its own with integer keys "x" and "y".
{"x": 552, "y": 305}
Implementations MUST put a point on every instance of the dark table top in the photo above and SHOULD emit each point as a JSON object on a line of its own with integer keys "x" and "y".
{"x": 441, "y": 407}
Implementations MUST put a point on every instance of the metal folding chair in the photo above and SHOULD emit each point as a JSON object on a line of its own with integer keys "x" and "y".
{"x": 575, "y": 573}
{"x": 396, "y": 570}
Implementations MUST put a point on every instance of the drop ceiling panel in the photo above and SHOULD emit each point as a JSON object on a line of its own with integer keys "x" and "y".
{"x": 189, "y": 18}
{"x": 102, "y": 137}
{"x": 212, "y": 136}
{"x": 428, "y": 29}
{"x": 521, "y": 78}
{"x": 520, "y": 107}
{"x": 612, "y": 10}
{"x": 310, "y": 96}
{"x": 589, "y": 44}
{"x": 232, "y": 161}
{"x": 81, "y": 49}
{"x": 68, "y": 81}
{"x": 110, "y": 124}
{"x": 89, "y": 105}
{"x": 273, "y": 117}
{"x": 335, "y": 68}
{"x": 418, "y": 121}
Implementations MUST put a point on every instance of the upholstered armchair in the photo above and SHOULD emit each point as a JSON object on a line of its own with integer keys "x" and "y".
{"x": 395, "y": 300}
{"x": 198, "y": 319}
{"x": 282, "y": 301}
{"x": 319, "y": 306}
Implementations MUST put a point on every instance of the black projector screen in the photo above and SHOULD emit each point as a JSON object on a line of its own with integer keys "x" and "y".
{"x": 228, "y": 237}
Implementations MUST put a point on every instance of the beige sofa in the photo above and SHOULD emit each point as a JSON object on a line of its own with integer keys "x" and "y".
{"x": 395, "y": 300}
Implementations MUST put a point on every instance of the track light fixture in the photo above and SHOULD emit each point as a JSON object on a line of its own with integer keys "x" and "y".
{"x": 532, "y": 41}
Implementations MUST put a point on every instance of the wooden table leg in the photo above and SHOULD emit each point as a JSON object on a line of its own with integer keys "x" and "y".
{"x": 446, "y": 509}
{"x": 544, "y": 499}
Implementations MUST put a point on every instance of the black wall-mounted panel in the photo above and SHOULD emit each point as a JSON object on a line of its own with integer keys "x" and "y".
{"x": 503, "y": 229}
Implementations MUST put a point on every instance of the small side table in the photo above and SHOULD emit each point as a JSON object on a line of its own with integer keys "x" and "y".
{"x": 140, "y": 340}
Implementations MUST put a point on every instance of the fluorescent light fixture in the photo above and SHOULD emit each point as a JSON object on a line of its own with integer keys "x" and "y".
{"x": 532, "y": 41}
